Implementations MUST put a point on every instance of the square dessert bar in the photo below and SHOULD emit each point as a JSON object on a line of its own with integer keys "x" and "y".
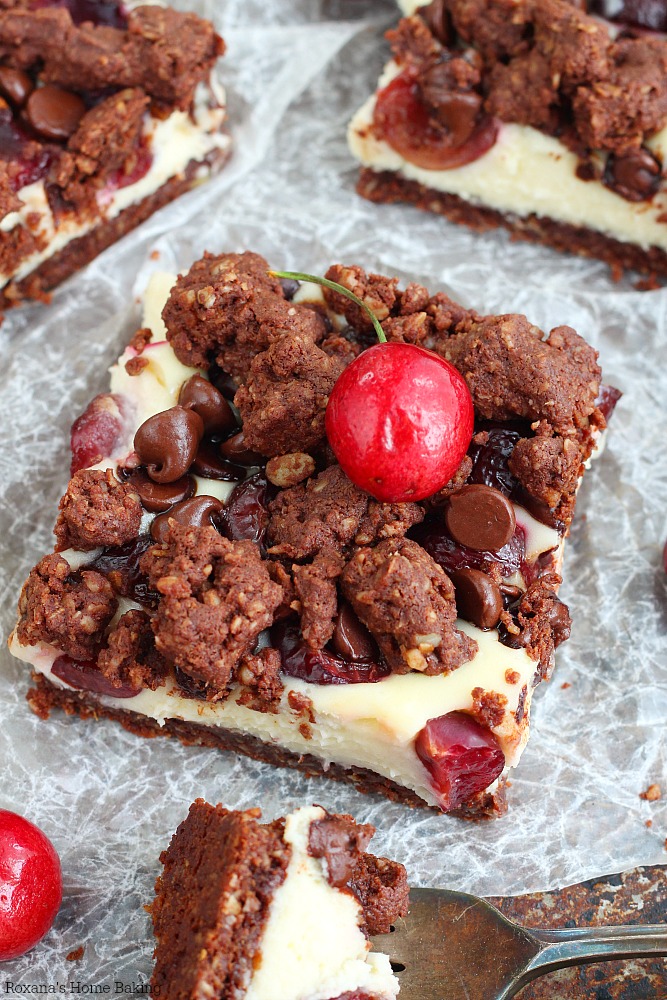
{"x": 108, "y": 111}
{"x": 219, "y": 578}
{"x": 254, "y": 910}
{"x": 535, "y": 115}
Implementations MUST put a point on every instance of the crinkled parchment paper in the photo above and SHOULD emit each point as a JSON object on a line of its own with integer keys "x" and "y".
{"x": 110, "y": 801}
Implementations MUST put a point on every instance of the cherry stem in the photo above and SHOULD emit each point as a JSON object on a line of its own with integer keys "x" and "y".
{"x": 335, "y": 287}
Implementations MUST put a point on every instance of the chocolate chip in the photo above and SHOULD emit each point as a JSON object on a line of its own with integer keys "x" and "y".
{"x": 635, "y": 175}
{"x": 478, "y": 597}
{"x": 167, "y": 443}
{"x": 210, "y": 464}
{"x": 200, "y": 395}
{"x": 560, "y": 621}
{"x": 54, "y": 113}
{"x": 351, "y": 639}
{"x": 340, "y": 841}
{"x": 198, "y": 512}
{"x": 15, "y": 85}
{"x": 456, "y": 110}
{"x": 236, "y": 450}
{"x": 436, "y": 16}
{"x": 158, "y": 497}
{"x": 480, "y": 517}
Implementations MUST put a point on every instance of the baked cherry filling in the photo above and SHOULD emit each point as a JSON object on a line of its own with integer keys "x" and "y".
{"x": 433, "y": 536}
{"x": 85, "y": 676}
{"x": 462, "y": 757}
{"x": 30, "y": 163}
{"x": 320, "y": 666}
{"x": 133, "y": 171}
{"x": 109, "y": 12}
{"x": 97, "y": 432}
{"x": 651, "y": 14}
{"x": 404, "y": 120}
{"x": 490, "y": 467}
{"x": 120, "y": 564}
{"x": 245, "y": 516}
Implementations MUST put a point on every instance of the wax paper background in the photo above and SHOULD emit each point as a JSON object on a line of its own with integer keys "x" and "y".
{"x": 295, "y": 72}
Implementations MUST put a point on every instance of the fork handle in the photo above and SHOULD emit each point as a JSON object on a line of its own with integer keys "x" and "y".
{"x": 578, "y": 946}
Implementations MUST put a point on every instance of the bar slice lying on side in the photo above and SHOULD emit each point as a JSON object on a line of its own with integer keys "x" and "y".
{"x": 102, "y": 122}
{"x": 253, "y": 910}
{"x": 218, "y": 577}
{"x": 534, "y": 115}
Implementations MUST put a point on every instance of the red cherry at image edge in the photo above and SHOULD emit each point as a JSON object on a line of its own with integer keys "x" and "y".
{"x": 400, "y": 419}
{"x": 30, "y": 885}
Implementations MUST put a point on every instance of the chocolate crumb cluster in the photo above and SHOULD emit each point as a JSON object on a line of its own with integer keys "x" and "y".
{"x": 548, "y": 64}
{"x": 299, "y": 572}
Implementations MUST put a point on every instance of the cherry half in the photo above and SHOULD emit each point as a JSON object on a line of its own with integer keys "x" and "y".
{"x": 31, "y": 888}
{"x": 462, "y": 757}
{"x": 403, "y": 120}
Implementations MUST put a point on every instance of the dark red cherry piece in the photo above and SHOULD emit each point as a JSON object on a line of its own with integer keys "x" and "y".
{"x": 245, "y": 516}
{"x": 461, "y": 757}
{"x": 97, "y": 432}
{"x": 432, "y": 535}
{"x": 399, "y": 420}
{"x": 637, "y": 13}
{"x": 85, "y": 676}
{"x": 317, "y": 665}
{"x": 31, "y": 886}
{"x": 108, "y": 12}
{"x": 404, "y": 121}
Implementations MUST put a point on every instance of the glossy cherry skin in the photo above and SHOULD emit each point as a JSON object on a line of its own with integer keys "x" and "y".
{"x": 399, "y": 420}
{"x": 461, "y": 756}
{"x": 404, "y": 122}
{"x": 31, "y": 887}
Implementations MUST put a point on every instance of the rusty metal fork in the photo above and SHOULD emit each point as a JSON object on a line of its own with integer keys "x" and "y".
{"x": 453, "y": 946}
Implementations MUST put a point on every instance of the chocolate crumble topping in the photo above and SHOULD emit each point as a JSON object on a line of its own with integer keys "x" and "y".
{"x": 407, "y": 603}
{"x": 217, "y": 596}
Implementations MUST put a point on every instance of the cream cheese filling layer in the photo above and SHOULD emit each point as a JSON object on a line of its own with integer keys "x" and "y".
{"x": 174, "y": 142}
{"x": 364, "y": 725}
{"x": 313, "y": 947}
{"x": 525, "y": 172}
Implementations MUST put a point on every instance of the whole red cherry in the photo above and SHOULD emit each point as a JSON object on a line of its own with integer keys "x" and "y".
{"x": 400, "y": 419}
{"x": 31, "y": 887}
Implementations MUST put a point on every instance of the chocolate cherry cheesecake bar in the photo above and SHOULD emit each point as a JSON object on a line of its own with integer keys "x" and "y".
{"x": 108, "y": 111}
{"x": 220, "y": 576}
{"x": 535, "y": 115}
{"x": 273, "y": 911}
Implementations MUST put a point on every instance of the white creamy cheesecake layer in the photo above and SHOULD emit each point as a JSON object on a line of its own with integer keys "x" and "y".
{"x": 365, "y": 725}
{"x": 525, "y": 172}
{"x": 174, "y": 142}
{"x": 313, "y": 947}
